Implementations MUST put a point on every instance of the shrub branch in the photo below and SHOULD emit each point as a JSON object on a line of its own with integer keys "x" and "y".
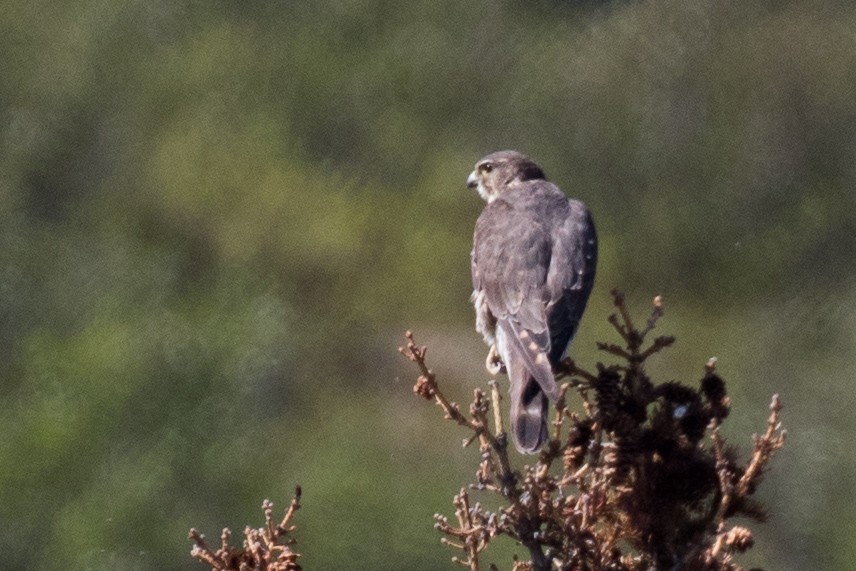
{"x": 268, "y": 548}
{"x": 629, "y": 482}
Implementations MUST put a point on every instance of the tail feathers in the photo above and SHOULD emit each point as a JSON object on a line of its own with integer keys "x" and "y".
{"x": 528, "y": 413}
{"x": 516, "y": 343}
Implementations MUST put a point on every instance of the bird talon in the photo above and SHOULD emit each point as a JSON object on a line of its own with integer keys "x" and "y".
{"x": 493, "y": 363}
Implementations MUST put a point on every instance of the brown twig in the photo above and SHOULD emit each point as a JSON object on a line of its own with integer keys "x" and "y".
{"x": 202, "y": 552}
{"x": 427, "y": 387}
{"x": 426, "y": 384}
{"x": 765, "y": 446}
{"x": 266, "y": 548}
{"x": 615, "y": 503}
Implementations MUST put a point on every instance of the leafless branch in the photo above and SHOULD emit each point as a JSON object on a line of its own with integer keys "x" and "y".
{"x": 635, "y": 474}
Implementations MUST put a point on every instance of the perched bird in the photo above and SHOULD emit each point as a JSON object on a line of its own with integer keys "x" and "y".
{"x": 533, "y": 266}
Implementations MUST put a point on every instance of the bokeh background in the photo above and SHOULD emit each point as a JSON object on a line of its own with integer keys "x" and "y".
{"x": 217, "y": 218}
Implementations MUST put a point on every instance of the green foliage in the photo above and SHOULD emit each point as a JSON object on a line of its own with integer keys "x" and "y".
{"x": 215, "y": 217}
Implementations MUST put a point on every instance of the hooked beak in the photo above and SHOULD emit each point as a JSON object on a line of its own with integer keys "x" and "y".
{"x": 472, "y": 180}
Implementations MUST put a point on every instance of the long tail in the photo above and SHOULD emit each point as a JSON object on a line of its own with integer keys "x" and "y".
{"x": 528, "y": 410}
{"x": 515, "y": 343}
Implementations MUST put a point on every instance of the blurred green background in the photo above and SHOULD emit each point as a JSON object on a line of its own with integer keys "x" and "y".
{"x": 217, "y": 218}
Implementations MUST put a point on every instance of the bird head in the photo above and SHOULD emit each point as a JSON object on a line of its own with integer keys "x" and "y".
{"x": 501, "y": 171}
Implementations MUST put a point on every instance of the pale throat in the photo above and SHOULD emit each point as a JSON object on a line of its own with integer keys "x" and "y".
{"x": 486, "y": 196}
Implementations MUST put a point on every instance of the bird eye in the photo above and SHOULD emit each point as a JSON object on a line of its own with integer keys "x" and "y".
{"x": 486, "y": 167}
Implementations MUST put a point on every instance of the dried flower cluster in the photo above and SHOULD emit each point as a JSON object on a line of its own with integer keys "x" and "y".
{"x": 266, "y": 548}
{"x": 640, "y": 478}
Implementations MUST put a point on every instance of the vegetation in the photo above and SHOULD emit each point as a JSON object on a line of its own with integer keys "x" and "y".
{"x": 216, "y": 218}
{"x": 627, "y": 484}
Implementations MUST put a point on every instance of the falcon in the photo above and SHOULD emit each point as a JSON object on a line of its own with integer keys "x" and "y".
{"x": 533, "y": 267}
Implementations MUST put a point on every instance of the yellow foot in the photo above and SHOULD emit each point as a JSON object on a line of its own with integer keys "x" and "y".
{"x": 493, "y": 363}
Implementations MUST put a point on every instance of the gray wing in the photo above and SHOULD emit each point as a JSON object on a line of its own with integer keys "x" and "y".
{"x": 571, "y": 275}
{"x": 511, "y": 259}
